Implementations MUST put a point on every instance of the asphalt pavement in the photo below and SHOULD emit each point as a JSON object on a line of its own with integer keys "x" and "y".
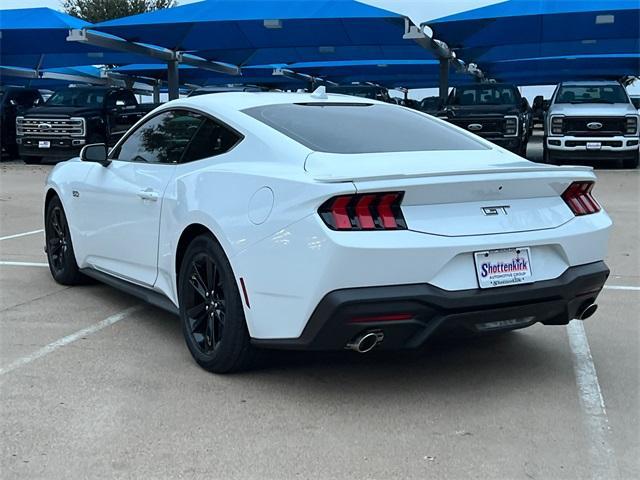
{"x": 94, "y": 384}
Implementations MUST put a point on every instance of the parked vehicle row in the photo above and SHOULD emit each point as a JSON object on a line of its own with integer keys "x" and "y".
{"x": 76, "y": 116}
{"x": 583, "y": 121}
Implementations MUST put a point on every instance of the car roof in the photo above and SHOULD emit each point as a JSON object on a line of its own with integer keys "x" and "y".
{"x": 244, "y": 100}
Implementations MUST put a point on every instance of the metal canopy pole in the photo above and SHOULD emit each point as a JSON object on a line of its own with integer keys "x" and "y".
{"x": 444, "y": 79}
{"x": 156, "y": 92}
{"x": 173, "y": 80}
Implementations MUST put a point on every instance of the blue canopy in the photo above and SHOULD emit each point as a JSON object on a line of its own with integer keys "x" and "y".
{"x": 253, "y": 32}
{"x": 521, "y": 29}
{"x": 37, "y": 38}
{"x": 544, "y": 70}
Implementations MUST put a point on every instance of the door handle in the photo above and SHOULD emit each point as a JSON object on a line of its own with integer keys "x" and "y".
{"x": 148, "y": 194}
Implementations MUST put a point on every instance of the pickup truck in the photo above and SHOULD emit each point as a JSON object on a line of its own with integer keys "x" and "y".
{"x": 14, "y": 101}
{"x": 76, "y": 116}
{"x": 593, "y": 121}
{"x": 494, "y": 111}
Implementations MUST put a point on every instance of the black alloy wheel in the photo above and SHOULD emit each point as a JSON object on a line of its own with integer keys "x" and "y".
{"x": 57, "y": 245}
{"x": 62, "y": 261}
{"x": 205, "y": 303}
{"x": 211, "y": 310}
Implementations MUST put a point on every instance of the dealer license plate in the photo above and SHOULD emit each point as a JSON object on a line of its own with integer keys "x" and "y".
{"x": 44, "y": 144}
{"x": 594, "y": 145}
{"x": 499, "y": 268}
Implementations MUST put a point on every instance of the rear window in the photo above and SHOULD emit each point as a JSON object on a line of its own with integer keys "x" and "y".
{"x": 361, "y": 128}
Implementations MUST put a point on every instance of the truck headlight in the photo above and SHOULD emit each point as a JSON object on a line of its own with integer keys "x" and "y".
{"x": 631, "y": 126}
{"x": 556, "y": 125}
{"x": 511, "y": 126}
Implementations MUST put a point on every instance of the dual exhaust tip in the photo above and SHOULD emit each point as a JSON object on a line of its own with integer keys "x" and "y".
{"x": 587, "y": 311}
{"x": 365, "y": 342}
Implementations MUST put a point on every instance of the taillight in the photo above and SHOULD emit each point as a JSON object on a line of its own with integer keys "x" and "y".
{"x": 367, "y": 211}
{"x": 579, "y": 199}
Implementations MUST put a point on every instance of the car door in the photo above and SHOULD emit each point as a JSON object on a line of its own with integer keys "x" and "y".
{"x": 120, "y": 204}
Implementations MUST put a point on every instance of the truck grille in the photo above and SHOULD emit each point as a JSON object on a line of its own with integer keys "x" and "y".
{"x": 73, "y": 127}
{"x": 577, "y": 126}
{"x": 491, "y": 127}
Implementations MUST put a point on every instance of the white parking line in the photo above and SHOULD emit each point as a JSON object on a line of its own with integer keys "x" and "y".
{"x": 18, "y": 235}
{"x": 622, "y": 287}
{"x": 24, "y": 264}
{"x": 52, "y": 347}
{"x": 602, "y": 456}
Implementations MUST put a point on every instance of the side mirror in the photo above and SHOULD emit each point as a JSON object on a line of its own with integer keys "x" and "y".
{"x": 524, "y": 104}
{"x": 545, "y": 105}
{"x": 96, "y": 152}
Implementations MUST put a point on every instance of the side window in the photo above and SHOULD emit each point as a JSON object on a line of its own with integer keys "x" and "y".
{"x": 162, "y": 139}
{"x": 211, "y": 139}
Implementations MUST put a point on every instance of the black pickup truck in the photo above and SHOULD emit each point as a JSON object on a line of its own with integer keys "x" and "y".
{"x": 76, "y": 116}
{"x": 13, "y": 102}
{"x": 495, "y": 111}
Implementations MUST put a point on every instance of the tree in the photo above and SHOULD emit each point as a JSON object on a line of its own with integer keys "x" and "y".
{"x": 95, "y": 11}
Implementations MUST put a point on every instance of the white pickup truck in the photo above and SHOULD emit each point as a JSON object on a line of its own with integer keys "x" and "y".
{"x": 591, "y": 120}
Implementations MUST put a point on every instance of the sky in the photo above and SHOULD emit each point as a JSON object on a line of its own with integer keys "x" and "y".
{"x": 418, "y": 10}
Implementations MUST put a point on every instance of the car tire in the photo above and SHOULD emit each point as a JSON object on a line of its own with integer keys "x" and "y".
{"x": 631, "y": 162}
{"x": 32, "y": 160}
{"x": 211, "y": 311}
{"x": 60, "y": 254}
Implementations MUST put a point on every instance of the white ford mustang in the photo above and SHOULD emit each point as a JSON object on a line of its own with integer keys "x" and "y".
{"x": 317, "y": 221}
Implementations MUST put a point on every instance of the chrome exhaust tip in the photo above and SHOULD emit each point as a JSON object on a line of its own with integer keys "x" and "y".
{"x": 365, "y": 342}
{"x": 588, "y": 311}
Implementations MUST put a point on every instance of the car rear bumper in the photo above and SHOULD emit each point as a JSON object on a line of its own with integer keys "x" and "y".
{"x": 408, "y": 315}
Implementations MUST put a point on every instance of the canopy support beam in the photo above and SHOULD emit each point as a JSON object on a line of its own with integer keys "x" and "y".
{"x": 423, "y": 36}
{"x": 89, "y": 37}
{"x": 303, "y": 77}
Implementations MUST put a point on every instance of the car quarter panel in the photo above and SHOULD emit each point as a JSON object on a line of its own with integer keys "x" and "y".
{"x": 217, "y": 193}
